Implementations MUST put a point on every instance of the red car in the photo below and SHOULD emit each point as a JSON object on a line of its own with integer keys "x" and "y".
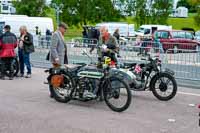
{"x": 177, "y": 39}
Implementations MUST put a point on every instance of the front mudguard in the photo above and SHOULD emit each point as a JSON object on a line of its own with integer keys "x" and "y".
{"x": 128, "y": 77}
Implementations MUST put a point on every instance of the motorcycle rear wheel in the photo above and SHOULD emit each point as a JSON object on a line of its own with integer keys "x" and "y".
{"x": 63, "y": 94}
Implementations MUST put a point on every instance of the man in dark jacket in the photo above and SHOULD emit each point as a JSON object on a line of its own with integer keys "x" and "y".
{"x": 26, "y": 47}
{"x": 8, "y": 43}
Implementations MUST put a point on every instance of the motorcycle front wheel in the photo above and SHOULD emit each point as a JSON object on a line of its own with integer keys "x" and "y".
{"x": 117, "y": 94}
{"x": 164, "y": 87}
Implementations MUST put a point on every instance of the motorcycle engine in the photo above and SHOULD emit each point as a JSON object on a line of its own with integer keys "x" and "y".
{"x": 86, "y": 84}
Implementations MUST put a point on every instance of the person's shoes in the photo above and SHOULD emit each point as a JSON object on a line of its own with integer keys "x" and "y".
{"x": 11, "y": 78}
{"x": 28, "y": 76}
{"x": 21, "y": 75}
{"x": 51, "y": 96}
{"x": 2, "y": 78}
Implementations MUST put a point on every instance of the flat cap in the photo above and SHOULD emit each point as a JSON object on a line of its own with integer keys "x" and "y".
{"x": 63, "y": 25}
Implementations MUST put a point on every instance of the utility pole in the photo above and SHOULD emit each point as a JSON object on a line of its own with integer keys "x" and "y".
{"x": 58, "y": 9}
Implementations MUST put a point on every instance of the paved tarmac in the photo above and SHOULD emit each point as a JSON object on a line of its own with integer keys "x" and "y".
{"x": 25, "y": 107}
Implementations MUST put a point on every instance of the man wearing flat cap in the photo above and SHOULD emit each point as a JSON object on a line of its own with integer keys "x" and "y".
{"x": 58, "y": 50}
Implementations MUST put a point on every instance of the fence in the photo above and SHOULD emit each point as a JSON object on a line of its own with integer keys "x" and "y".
{"x": 42, "y": 41}
{"x": 185, "y": 62}
{"x": 84, "y": 42}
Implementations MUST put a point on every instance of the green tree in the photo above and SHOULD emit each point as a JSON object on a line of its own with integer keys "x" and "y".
{"x": 31, "y": 7}
{"x": 149, "y": 11}
{"x": 82, "y": 12}
{"x": 160, "y": 12}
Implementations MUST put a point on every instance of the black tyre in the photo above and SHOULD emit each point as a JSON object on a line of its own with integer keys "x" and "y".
{"x": 63, "y": 93}
{"x": 16, "y": 66}
{"x": 116, "y": 91}
{"x": 164, "y": 87}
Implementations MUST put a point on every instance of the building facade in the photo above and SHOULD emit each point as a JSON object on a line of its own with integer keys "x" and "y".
{"x": 6, "y": 7}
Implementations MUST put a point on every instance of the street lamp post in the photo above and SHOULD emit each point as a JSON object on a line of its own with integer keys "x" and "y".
{"x": 58, "y": 9}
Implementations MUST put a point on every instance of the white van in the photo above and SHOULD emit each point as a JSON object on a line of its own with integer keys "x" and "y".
{"x": 148, "y": 30}
{"x": 125, "y": 30}
{"x": 16, "y": 21}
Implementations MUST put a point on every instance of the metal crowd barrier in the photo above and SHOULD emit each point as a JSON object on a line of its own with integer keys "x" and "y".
{"x": 42, "y": 41}
{"x": 84, "y": 42}
{"x": 185, "y": 62}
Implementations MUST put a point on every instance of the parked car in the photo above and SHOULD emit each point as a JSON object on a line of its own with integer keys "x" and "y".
{"x": 177, "y": 39}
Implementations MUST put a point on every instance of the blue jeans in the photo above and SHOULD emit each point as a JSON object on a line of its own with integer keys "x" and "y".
{"x": 24, "y": 59}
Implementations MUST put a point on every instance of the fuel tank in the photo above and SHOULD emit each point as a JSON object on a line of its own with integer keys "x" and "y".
{"x": 90, "y": 72}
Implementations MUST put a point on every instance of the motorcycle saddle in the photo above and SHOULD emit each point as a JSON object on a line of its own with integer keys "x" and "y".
{"x": 73, "y": 67}
{"x": 129, "y": 65}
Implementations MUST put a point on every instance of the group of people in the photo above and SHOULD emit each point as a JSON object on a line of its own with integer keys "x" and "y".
{"x": 8, "y": 43}
{"x": 58, "y": 49}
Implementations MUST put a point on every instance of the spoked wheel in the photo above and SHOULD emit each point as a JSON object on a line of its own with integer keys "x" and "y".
{"x": 16, "y": 66}
{"x": 63, "y": 92}
{"x": 117, "y": 94}
{"x": 164, "y": 87}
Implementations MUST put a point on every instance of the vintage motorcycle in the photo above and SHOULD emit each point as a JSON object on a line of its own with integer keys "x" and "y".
{"x": 15, "y": 64}
{"x": 73, "y": 82}
{"x": 150, "y": 76}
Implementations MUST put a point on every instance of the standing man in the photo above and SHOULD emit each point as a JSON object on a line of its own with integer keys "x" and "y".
{"x": 116, "y": 35}
{"x": 26, "y": 47}
{"x": 48, "y": 37}
{"x": 8, "y": 43}
{"x": 58, "y": 50}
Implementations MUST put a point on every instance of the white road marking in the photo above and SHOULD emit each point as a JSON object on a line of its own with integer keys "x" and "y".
{"x": 190, "y": 94}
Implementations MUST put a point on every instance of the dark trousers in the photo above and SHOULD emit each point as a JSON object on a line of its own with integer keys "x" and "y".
{"x": 24, "y": 59}
{"x": 7, "y": 65}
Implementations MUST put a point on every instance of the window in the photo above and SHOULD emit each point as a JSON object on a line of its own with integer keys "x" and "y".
{"x": 165, "y": 35}
{"x": 162, "y": 34}
{"x": 147, "y": 31}
{"x": 189, "y": 35}
{"x": 178, "y": 34}
{"x": 5, "y": 7}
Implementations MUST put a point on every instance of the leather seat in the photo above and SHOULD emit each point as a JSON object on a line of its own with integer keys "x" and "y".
{"x": 129, "y": 65}
{"x": 73, "y": 67}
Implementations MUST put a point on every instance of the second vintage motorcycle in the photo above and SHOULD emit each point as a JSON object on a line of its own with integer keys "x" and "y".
{"x": 150, "y": 76}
